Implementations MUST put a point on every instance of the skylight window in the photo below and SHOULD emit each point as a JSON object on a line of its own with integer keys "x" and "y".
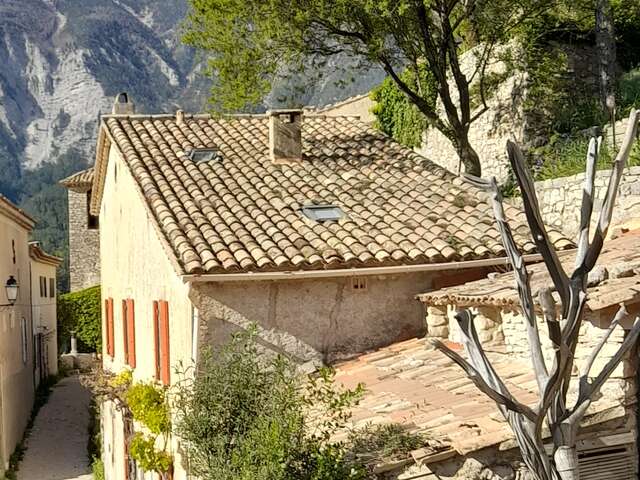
{"x": 323, "y": 213}
{"x": 199, "y": 155}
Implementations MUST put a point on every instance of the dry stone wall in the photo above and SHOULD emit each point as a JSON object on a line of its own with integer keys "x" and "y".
{"x": 560, "y": 199}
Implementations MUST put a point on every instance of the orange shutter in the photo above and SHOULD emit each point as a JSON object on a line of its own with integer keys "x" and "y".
{"x": 125, "y": 341}
{"x": 156, "y": 339}
{"x": 131, "y": 333}
{"x": 110, "y": 334}
{"x": 165, "y": 356}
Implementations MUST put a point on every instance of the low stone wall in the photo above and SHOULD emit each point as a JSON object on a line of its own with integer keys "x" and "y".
{"x": 560, "y": 199}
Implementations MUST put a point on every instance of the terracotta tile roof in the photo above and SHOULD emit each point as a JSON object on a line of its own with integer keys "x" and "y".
{"x": 620, "y": 257}
{"x": 12, "y": 211}
{"x": 38, "y": 254}
{"x": 417, "y": 386}
{"x": 82, "y": 179}
{"x": 241, "y": 213}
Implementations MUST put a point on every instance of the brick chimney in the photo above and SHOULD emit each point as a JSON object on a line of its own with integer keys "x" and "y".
{"x": 123, "y": 105}
{"x": 285, "y": 136}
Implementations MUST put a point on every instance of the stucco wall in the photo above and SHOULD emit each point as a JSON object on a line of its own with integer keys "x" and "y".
{"x": 44, "y": 313}
{"x": 560, "y": 199}
{"x": 134, "y": 265}
{"x": 84, "y": 245}
{"x": 16, "y": 376}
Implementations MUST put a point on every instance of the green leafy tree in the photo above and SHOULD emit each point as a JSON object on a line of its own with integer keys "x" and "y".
{"x": 251, "y": 41}
{"x": 80, "y": 312}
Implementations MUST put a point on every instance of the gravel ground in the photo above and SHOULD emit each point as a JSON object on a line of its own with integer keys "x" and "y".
{"x": 57, "y": 445}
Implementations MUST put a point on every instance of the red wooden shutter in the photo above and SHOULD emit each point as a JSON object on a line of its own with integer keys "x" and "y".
{"x": 125, "y": 340}
{"x": 110, "y": 333}
{"x": 165, "y": 356}
{"x": 156, "y": 339}
{"x": 131, "y": 333}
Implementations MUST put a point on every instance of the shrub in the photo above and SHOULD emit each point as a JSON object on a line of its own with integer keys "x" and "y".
{"x": 245, "y": 416}
{"x": 142, "y": 450}
{"x": 629, "y": 92}
{"x": 148, "y": 406}
{"x": 81, "y": 312}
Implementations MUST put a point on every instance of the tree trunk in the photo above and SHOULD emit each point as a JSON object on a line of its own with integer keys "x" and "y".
{"x": 468, "y": 156}
{"x": 606, "y": 43}
{"x": 566, "y": 460}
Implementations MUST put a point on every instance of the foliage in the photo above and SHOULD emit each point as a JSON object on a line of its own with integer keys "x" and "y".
{"x": 629, "y": 91}
{"x": 81, "y": 312}
{"x": 142, "y": 449}
{"x": 566, "y": 157}
{"x": 244, "y": 416}
{"x": 396, "y": 115}
{"x": 97, "y": 468}
{"x": 148, "y": 405}
{"x": 374, "y": 444}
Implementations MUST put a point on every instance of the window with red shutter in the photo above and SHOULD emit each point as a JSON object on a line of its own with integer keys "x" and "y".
{"x": 165, "y": 354}
{"x": 125, "y": 340}
{"x": 131, "y": 333}
{"x": 110, "y": 333}
{"x": 156, "y": 339}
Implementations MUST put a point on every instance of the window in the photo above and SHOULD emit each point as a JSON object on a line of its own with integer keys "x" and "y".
{"x": 108, "y": 309}
{"x": 161, "y": 341}
{"x": 52, "y": 287}
{"x": 199, "y": 155}
{"x": 23, "y": 330}
{"x": 43, "y": 287}
{"x": 129, "y": 332}
{"x": 358, "y": 284}
{"x": 323, "y": 213}
{"x": 92, "y": 220}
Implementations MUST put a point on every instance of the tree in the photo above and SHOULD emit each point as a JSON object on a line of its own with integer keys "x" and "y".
{"x": 250, "y": 41}
{"x": 606, "y": 43}
{"x": 562, "y": 419}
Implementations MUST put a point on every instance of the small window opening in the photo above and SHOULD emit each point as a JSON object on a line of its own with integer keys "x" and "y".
{"x": 92, "y": 220}
{"x": 199, "y": 155}
{"x": 323, "y": 213}
{"x": 358, "y": 284}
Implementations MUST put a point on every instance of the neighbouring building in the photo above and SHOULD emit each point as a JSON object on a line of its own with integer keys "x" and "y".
{"x": 19, "y": 331}
{"x": 84, "y": 235}
{"x": 412, "y": 383}
{"x": 44, "y": 311}
{"x": 318, "y": 229}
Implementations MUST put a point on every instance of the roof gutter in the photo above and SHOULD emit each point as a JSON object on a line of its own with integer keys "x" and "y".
{"x": 351, "y": 272}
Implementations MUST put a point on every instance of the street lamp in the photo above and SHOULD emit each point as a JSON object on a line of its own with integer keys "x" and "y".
{"x": 11, "y": 287}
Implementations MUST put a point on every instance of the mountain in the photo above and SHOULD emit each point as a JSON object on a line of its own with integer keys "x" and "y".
{"x": 63, "y": 62}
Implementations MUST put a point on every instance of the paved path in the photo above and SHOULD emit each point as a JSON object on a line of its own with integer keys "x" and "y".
{"x": 57, "y": 445}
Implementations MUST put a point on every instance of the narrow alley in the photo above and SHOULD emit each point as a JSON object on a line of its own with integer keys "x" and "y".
{"x": 56, "y": 448}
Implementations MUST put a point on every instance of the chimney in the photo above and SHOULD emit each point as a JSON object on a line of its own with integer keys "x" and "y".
{"x": 180, "y": 117}
{"x": 285, "y": 137}
{"x": 123, "y": 105}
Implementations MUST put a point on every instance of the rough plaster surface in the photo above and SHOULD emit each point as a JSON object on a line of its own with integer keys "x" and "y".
{"x": 57, "y": 445}
{"x": 84, "y": 245}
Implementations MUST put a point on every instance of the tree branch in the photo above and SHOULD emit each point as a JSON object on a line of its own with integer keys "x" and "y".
{"x": 586, "y": 367}
{"x": 540, "y": 236}
{"x": 587, "y": 200}
{"x": 612, "y": 191}
{"x": 482, "y": 385}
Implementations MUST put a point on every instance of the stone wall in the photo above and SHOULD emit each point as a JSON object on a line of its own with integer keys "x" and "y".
{"x": 84, "y": 244}
{"x": 560, "y": 199}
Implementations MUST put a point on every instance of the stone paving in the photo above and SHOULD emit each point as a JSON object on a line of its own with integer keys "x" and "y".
{"x": 57, "y": 445}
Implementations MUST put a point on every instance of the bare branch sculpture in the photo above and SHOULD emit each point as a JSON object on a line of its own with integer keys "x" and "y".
{"x": 553, "y": 381}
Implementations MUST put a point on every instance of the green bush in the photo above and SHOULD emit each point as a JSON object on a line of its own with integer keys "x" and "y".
{"x": 148, "y": 406}
{"x": 81, "y": 312}
{"x": 245, "y": 417}
{"x": 144, "y": 452}
{"x": 629, "y": 92}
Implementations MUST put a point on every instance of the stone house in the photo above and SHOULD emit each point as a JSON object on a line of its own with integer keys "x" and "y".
{"x": 318, "y": 229}
{"x": 84, "y": 236}
{"x": 20, "y": 340}
{"x": 412, "y": 383}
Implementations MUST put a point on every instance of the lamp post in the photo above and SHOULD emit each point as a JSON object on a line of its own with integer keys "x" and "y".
{"x": 11, "y": 289}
